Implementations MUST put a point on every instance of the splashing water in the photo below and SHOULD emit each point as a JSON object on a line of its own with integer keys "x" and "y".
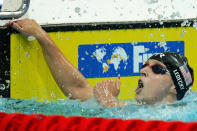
{"x": 31, "y": 38}
{"x": 184, "y": 110}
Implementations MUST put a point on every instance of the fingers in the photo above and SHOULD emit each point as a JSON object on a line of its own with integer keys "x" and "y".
{"x": 21, "y": 26}
{"x": 7, "y": 24}
{"x": 118, "y": 83}
{"x": 96, "y": 88}
{"x": 16, "y": 26}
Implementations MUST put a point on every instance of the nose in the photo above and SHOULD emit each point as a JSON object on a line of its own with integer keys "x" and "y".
{"x": 143, "y": 72}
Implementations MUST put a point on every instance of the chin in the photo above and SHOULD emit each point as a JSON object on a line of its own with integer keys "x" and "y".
{"x": 142, "y": 100}
{"x": 138, "y": 99}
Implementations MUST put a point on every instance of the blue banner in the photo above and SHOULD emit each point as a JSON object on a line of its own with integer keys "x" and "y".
{"x": 120, "y": 59}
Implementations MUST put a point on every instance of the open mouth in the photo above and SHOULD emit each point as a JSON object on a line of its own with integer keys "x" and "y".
{"x": 140, "y": 86}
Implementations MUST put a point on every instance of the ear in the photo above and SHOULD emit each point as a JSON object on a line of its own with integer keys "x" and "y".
{"x": 173, "y": 90}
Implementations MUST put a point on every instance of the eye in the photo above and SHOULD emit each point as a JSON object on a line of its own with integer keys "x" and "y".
{"x": 143, "y": 74}
{"x": 158, "y": 69}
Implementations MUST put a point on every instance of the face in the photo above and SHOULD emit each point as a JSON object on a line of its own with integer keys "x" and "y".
{"x": 153, "y": 87}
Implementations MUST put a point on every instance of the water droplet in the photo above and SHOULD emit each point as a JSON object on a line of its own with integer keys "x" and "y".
{"x": 86, "y": 53}
{"x": 184, "y": 23}
{"x": 2, "y": 87}
{"x": 7, "y": 81}
{"x": 19, "y": 61}
{"x": 151, "y": 1}
{"x": 77, "y": 10}
{"x": 31, "y": 38}
{"x": 195, "y": 24}
{"x": 84, "y": 11}
{"x": 69, "y": 95}
{"x": 162, "y": 34}
{"x": 161, "y": 22}
{"x": 182, "y": 35}
{"x": 27, "y": 54}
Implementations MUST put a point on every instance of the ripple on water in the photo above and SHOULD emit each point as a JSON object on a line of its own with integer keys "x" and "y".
{"x": 184, "y": 110}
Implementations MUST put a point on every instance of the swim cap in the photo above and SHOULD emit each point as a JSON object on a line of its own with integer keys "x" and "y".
{"x": 181, "y": 73}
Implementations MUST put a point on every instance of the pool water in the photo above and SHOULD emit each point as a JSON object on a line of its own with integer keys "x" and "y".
{"x": 184, "y": 110}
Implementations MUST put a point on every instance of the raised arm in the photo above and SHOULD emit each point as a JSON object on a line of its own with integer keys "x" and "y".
{"x": 69, "y": 79}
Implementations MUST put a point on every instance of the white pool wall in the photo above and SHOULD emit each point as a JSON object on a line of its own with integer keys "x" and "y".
{"x": 85, "y": 11}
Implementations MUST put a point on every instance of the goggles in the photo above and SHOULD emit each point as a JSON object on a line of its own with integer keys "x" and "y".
{"x": 157, "y": 68}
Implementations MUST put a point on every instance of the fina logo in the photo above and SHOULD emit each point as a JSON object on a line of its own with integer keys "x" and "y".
{"x": 124, "y": 59}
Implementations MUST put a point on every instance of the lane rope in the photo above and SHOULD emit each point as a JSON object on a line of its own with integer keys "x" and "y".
{"x": 39, "y": 122}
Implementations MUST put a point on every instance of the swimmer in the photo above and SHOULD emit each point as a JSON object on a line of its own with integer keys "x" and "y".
{"x": 165, "y": 77}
